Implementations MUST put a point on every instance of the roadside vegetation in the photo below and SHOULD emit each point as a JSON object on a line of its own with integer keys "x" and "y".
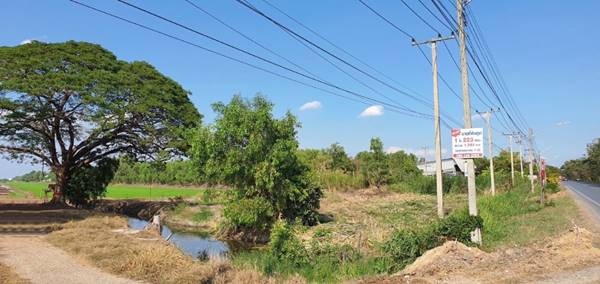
{"x": 587, "y": 168}
{"x": 318, "y": 215}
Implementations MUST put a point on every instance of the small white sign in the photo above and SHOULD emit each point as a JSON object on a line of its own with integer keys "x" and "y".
{"x": 467, "y": 143}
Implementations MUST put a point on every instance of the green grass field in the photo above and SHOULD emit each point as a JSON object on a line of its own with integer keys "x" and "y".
{"x": 119, "y": 191}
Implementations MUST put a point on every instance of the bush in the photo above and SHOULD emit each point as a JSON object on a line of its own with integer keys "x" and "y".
{"x": 253, "y": 215}
{"x": 458, "y": 226}
{"x": 552, "y": 187}
{"x": 87, "y": 183}
{"x": 285, "y": 247}
{"x": 406, "y": 245}
{"x": 418, "y": 184}
{"x": 339, "y": 180}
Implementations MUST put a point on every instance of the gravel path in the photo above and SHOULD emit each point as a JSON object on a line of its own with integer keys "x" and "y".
{"x": 40, "y": 262}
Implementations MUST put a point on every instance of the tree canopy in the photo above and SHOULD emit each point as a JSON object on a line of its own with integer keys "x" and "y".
{"x": 249, "y": 149}
{"x": 587, "y": 168}
{"x": 70, "y": 105}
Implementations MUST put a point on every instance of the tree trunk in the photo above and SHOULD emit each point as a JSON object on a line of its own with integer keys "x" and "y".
{"x": 58, "y": 189}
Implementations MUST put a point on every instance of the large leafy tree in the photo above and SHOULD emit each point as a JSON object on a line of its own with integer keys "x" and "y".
{"x": 73, "y": 104}
{"x": 402, "y": 166}
{"x": 339, "y": 158}
{"x": 374, "y": 164}
{"x": 256, "y": 153}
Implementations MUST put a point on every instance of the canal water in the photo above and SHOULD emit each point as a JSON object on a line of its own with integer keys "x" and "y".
{"x": 191, "y": 244}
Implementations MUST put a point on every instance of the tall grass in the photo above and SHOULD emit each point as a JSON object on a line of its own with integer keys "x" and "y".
{"x": 338, "y": 180}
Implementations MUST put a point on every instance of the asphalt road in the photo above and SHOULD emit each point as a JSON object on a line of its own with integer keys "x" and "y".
{"x": 588, "y": 193}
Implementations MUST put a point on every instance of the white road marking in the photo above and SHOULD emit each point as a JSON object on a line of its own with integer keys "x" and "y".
{"x": 584, "y": 196}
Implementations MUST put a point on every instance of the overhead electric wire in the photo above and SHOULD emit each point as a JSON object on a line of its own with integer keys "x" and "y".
{"x": 420, "y": 18}
{"x": 393, "y": 108}
{"x": 446, "y": 14}
{"x": 493, "y": 65}
{"x": 435, "y": 16}
{"x": 286, "y": 59}
{"x": 275, "y": 22}
{"x": 197, "y": 7}
{"x": 420, "y": 50}
{"x": 340, "y": 69}
{"x": 248, "y": 52}
{"x": 338, "y": 47}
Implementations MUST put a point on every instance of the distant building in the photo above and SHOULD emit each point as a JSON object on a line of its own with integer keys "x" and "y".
{"x": 450, "y": 167}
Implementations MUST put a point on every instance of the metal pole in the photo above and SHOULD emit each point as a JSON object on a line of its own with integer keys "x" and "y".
{"x": 472, "y": 191}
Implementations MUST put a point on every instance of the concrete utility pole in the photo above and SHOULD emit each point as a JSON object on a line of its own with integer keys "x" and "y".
{"x": 436, "y": 121}
{"x": 520, "y": 142}
{"x": 512, "y": 160}
{"x": 472, "y": 191}
{"x": 425, "y": 157}
{"x": 531, "y": 158}
{"x": 487, "y": 115}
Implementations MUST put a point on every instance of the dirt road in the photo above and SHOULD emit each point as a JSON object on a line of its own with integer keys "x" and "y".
{"x": 40, "y": 262}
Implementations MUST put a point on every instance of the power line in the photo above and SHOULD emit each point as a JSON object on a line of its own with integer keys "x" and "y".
{"x": 341, "y": 69}
{"x": 394, "y": 108}
{"x": 385, "y": 19}
{"x": 338, "y": 47}
{"x": 248, "y": 38}
{"x": 262, "y": 14}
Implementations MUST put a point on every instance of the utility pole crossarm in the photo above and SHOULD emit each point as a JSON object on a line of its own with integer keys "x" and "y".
{"x": 429, "y": 41}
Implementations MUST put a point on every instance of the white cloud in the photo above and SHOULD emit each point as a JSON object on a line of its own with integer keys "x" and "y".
{"x": 562, "y": 123}
{"x": 311, "y": 105}
{"x": 418, "y": 152}
{"x": 26, "y": 41}
{"x": 375, "y": 110}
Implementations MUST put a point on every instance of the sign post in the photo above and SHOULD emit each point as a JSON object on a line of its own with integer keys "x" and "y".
{"x": 467, "y": 143}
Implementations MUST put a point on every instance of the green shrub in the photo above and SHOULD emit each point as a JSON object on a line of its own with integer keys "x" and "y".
{"x": 254, "y": 214}
{"x": 339, "y": 180}
{"x": 552, "y": 187}
{"x": 458, "y": 226}
{"x": 406, "y": 245}
{"x": 285, "y": 247}
{"x": 87, "y": 183}
{"x": 418, "y": 184}
{"x": 203, "y": 215}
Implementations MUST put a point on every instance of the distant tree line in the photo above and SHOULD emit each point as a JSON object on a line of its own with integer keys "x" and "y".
{"x": 587, "y": 168}
{"x": 35, "y": 176}
{"x": 332, "y": 167}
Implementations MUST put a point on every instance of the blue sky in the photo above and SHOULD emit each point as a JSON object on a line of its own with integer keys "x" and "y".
{"x": 546, "y": 51}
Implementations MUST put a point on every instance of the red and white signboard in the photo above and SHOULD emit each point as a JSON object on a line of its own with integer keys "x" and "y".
{"x": 467, "y": 143}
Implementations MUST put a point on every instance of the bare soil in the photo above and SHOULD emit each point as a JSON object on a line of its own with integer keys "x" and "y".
{"x": 572, "y": 257}
{"x": 8, "y": 276}
{"x": 39, "y": 262}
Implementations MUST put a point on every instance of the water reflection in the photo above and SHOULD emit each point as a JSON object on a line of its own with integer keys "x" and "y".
{"x": 193, "y": 245}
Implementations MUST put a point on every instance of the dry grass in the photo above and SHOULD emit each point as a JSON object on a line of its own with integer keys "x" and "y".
{"x": 152, "y": 261}
{"x": 366, "y": 217}
{"x": 128, "y": 255}
{"x": 8, "y": 276}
